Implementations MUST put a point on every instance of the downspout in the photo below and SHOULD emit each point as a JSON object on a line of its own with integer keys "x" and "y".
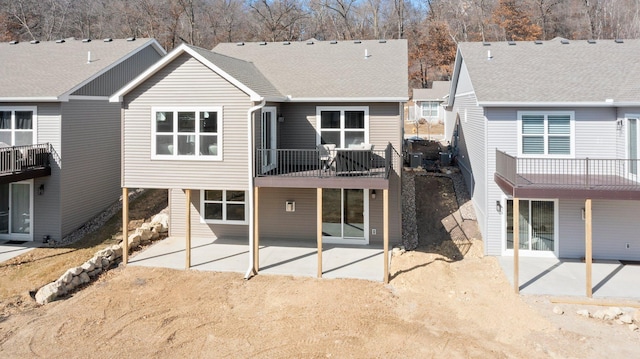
{"x": 250, "y": 152}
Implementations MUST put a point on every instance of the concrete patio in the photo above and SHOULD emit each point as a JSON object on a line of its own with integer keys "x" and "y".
{"x": 560, "y": 277}
{"x": 10, "y": 249}
{"x": 276, "y": 257}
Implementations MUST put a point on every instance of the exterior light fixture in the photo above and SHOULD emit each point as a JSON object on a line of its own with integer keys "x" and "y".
{"x": 373, "y": 194}
{"x": 498, "y": 206}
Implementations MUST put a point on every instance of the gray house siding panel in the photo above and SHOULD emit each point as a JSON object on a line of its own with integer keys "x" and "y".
{"x": 622, "y": 134}
{"x": 615, "y": 224}
{"x": 185, "y": 82}
{"x": 112, "y": 80}
{"x": 177, "y": 225}
{"x": 298, "y": 131}
{"x": 570, "y": 229}
{"x": 46, "y": 207}
{"x": 90, "y": 159}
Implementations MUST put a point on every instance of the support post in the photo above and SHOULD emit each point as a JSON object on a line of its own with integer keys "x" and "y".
{"x": 256, "y": 232}
{"x": 188, "y": 230}
{"x": 588, "y": 253}
{"x": 516, "y": 244}
{"x": 319, "y": 229}
{"x": 385, "y": 231}
{"x": 125, "y": 225}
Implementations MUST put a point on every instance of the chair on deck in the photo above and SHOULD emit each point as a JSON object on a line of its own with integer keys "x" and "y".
{"x": 327, "y": 155}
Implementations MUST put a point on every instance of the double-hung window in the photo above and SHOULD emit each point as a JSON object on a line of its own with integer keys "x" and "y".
{"x": 224, "y": 206}
{"x": 343, "y": 126}
{"x": 546, "y": 133}
{"x": 430, "y": 109}
{"x": 17, "y": 126}
{"x": 187, "y": 133}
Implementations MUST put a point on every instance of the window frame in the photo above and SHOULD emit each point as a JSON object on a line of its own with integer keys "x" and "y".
{"x": 430, "y": 106}
{"x": 34, "y": 125}
{"x": 546, "y": 135}
{"x": 197, "y": 110}
{"x": 342, "y": 129}
{"x": 528, "y": 252}
{"x": 224, "y": 202}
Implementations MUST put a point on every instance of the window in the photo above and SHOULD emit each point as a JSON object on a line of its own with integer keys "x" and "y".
{"x": 545, "y": 133}
{"x": 537, "y": 225}
{"x": 224, "y": 206}
{"x": 187, "y": 133}
{"x": 343, "y": 126}
{"x": 17, "y": 126}
{"x": 430, "y": 109}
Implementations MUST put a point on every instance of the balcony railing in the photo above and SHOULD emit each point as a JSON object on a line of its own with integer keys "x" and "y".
{"x": 584, "y": 173}
{"x": 18, "y": 159}
{"x": 338, "y": 163}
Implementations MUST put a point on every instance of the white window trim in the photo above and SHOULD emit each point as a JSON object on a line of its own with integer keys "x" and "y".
{"x": 572, "y": 133}
{"x": 526, "y": 252}
{"x": 430, "y": 108}
{"x": 625, "y": 134}
{"x": 342, "y": 110}
{"x": 34, "y": 109}
{"x": 196, "y": 157}
{"x": 224, "y": 207}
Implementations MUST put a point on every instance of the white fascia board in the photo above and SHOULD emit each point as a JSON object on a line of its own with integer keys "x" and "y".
{"x": 152, "y": 42}
{"x": 547, "y": 104}
{"x": 29, "y": 99}
{"x": 348, "y": 99}
{"x": 88, "y": 98}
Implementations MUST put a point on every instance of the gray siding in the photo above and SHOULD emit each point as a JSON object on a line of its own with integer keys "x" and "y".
{"x": 115, "y": 78}
{"x": 472, "y": 149}
{"x": 298, "y": 131}
{"x": 185, "y": 82}
{"x": 90, "y": 155}
{"x": 595, "y": 137}
{"x": 47, "y": 218}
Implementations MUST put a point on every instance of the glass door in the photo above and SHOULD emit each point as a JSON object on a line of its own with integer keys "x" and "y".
{"x": 344, "y": 216}
{"x": 16, "y": 209}
{"x": 269, "y": 139}
{"x": 537, "y": 232}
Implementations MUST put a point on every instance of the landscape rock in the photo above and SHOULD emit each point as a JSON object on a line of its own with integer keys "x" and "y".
{"x": 583, "y": 312}
{"x": 75, "y": 282}
{"x": 134, "y": 240}
{"x": 604, "y": 315}
{"x": 633, "y": 327}
{"x": 154, "y": 234}
{"x": 558, "y": 310}
{"x": 626, "y": 319}
{"x": 96, "y": 261}
{"x": 87, "y": 266}
{"x": 163, "y": 220}
{"x": 84, "y": 278}
{"x": 636, "y": 316}
{"x": 66, "y": 277}
{"x": 76, "y": 270}
{"x": 615, "y": 312}
{"x": 48, "y": 293}
{"x": 106, "y": 262}
{"x": 144, "y": 233}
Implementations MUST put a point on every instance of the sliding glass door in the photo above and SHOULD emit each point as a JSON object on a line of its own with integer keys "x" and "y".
{"x": 16, "y": 209}
{"x": 344, "y": 216}
{"x": 537, "y": 232}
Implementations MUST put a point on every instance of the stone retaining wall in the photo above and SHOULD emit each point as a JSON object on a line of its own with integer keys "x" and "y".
{"x": 103, "y": 260}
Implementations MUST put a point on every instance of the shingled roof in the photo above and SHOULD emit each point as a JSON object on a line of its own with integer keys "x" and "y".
{"x": 437, "y": 92}
{"x": 554, "y": 71}
{"x": 313, "y": 70}
{"x": 50, "y": 70}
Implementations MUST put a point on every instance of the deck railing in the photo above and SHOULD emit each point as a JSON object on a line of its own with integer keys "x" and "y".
{"x": 569, "y": 172}
{"x": 337, "y": 163}
{"x": 16, "y": 159}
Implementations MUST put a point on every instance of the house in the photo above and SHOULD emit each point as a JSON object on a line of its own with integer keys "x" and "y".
{"x": 296, "y": 141}
{"x": 427, "y": 103}
{"x": 547, "y": 140}
{"x": 59, "y": 135}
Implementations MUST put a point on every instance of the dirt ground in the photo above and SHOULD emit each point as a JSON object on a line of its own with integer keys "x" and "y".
{"x": 437, "y": 305}
{"x": 424, "y": 130}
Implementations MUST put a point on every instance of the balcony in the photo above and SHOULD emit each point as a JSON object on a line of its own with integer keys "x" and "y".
{"x": 19, "y": 163}
{"x": 311, "y": 168}
{"x": 568, "y": 178}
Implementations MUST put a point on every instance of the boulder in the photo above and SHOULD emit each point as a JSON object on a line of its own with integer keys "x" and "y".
{"x": 96, "y": 262}
{"x": 134, "y": 239}
{"x": 163, "y": 220}
{"x": 66, "y": 277}
{"x": 76, "y": 270}
{"x": 48, "y": 293}
{"x": 615, "y": 312}
{"x": 558, "y": 310}
{"x": 106, "y": 262}
{"x": 117, "y": 250}
{"x": 84, "y": 278}
{"x": 626, "y": 319}
{"x": 633, "y": 327}
{"x": 87, "y": 266}
{"x": 636, "y": 316}
{"x": 604, "y": 315}
{"x": 145, "y": 234}
{"x": 154, "y": 234}
{"x": 76, "y": 281}
{"x": 583, "y": 312}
